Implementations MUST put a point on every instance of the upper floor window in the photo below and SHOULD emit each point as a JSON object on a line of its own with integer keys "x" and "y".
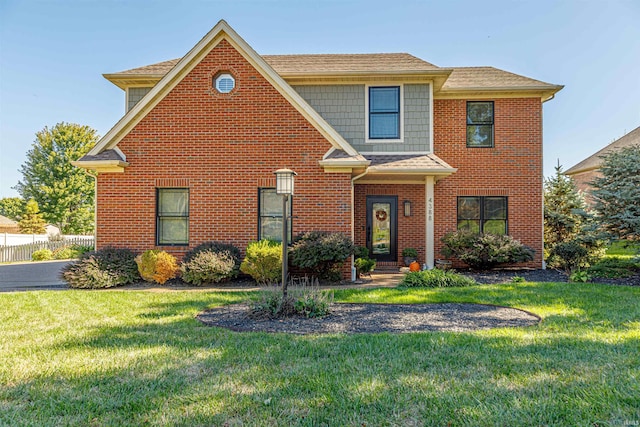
{"x": 480, "y": 124}
{"x": 384, "y": 112}
{"x": 225, "y": 83}
{"x": 172, "y": 216}
{"x": 483, "y": 214}
{"x": 270, "y": 215}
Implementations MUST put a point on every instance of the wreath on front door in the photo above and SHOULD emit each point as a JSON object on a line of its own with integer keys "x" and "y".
{"x": 381, "y": 215}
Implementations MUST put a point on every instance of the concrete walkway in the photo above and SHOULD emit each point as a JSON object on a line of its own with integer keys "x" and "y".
{"x": 31, "y": 276}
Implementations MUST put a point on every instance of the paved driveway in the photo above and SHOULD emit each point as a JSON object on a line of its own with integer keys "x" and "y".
{"x": 31, "y": 276}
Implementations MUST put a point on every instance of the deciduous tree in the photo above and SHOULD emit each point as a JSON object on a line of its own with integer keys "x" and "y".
{"x": 12, "y": 207}
{"x": 32, "y": 221}
{"x": 64, "y": 193}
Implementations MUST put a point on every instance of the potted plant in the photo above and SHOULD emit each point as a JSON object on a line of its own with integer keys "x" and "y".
{"x": 409, "y": 255}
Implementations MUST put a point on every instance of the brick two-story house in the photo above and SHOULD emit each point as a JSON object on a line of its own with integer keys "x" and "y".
{"x": 387, "y": 148}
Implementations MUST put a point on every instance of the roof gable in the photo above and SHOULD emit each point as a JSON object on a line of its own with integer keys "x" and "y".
{"x": 222, "y": 31}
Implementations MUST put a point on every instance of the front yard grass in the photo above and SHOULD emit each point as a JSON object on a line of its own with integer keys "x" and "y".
{"x": 114, "y": 358}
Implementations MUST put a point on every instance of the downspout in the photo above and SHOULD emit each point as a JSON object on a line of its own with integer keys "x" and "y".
{"x": 353, "y": 219}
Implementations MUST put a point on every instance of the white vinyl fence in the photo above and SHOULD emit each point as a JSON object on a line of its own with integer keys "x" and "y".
{"x": 23, "y": 252}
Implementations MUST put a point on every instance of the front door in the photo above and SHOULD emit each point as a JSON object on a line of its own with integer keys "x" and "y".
{"x": 382, "y": 227}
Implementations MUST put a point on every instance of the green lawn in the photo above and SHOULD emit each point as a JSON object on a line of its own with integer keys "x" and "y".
{"x": 96, "y": 358}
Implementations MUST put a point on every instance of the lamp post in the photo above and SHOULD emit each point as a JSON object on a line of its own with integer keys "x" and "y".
{"x": 284, "y": 186}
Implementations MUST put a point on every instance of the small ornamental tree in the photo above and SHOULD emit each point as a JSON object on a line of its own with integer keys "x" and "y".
{"x": 617, "y": 193}
{"x": 32, "y": 221}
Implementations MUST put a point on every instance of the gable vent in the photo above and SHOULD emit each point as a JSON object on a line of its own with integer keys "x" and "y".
{"x": 225, "y": 83}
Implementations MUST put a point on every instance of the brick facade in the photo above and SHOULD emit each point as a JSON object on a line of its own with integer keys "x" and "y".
{"x": 223, "y": 147}
{"x": 583, "y": 183}
{"x": 513, "y": 168}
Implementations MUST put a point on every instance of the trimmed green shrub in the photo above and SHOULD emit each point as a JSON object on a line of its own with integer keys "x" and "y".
{"x": 435, "y": 279}
{"x": 42, "y": 255}
{"x": 105, "y": 268}
{"x": 263, "y": 261}
{"x": 209, "y": 266}
{"x": 301, "y": 301}
{"x": 484, "y": 251}
{"x": 65, "y": 252}
{"x": 321, "y": 253}
{"x": 157, "y": 266}
{"x": 362, "y": 262}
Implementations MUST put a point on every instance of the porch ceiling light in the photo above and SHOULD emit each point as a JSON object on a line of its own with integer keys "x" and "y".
{"x": 407, "y": 208}
{"x": 284, "y": 181}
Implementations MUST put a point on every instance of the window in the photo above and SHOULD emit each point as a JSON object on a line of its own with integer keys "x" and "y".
{"x": 270, "y": 215}
{"x": 384, "y": 112}
{"x": 480, "y": 124}
{"x": 172, "y": 216}
{"x": 225, "y": 83}
{"x": 483, "y": 214}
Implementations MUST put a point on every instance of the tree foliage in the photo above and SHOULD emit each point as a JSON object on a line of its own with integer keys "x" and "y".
{"x": 617, "y": 193}
{"x": 64, "y": 193}
{"x": 568, "y": 227}
{"x": 12, "y": 207}
{"x": 32, "y": 221}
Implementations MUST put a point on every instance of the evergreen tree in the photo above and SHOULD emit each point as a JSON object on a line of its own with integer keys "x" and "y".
{"x": 32, "y": 221}
{"x": 617, "y": 193}
{"x": 571, "y": 240}
{"x": 64, "y": 193}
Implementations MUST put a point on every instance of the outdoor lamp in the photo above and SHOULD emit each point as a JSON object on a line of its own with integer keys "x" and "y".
{"x": 407, "y": 208}
{"x": 284, "y": 181}
{"x": 284, "y": 186}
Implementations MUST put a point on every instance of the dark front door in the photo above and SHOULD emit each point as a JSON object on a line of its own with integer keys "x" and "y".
{"x": 382, "y": 227}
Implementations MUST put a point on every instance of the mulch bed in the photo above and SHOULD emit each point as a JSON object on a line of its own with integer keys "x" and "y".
{"x": 548, "y": 275}
{"x": 375, "y": 318}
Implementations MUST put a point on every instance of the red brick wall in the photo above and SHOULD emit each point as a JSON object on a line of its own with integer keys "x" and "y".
{"x": 223, "y": 148}
{"x": 512, "y": 168}
{"x": 411, "y": 230}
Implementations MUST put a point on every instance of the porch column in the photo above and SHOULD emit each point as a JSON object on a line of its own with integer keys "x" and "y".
{"x": 429, "y": 244}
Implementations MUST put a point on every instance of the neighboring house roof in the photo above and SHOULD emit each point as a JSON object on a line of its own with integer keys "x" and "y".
{"x": 7, "y": 222}
{"x": 594, "y": 161}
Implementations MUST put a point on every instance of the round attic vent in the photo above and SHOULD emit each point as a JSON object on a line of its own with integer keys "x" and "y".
{"x": 225, "y": 83}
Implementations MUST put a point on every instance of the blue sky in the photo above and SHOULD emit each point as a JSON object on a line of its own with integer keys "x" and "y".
{"x": 53, "y": 54}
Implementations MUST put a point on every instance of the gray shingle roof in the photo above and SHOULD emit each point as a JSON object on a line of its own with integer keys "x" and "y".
{"x": 105, "y": 155}
{"x": 594, "y": 161}
{"x": 461, "y": 78}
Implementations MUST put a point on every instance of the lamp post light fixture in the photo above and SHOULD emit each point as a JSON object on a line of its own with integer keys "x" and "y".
{"x": 284, "y": 186}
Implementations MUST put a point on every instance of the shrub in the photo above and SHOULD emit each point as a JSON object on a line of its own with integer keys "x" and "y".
{"x": 209, "y": 266}
{"x": 435, "y": 279}
{"x": 263, "y": 261}
{"x": 483, "y": 251}
{"x": 580, "y": 276}
{"x": 321, "y": 252}
{"x": 65, "y": 252}
{"x": 42, "y": 255}
{"x": 363, "y": 263}
{"x": 614, "y": 267}
{"x": 410, "y": 253}
{"x": 570, "y": 255}
{"x": 157, "y": 266}
{"x": 102, "y": 269}
{"x": 215, "y": 247}
{"x": 302, "y": 301}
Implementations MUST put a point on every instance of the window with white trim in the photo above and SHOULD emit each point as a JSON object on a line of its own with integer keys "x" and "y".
{"x": 383, "y": 112}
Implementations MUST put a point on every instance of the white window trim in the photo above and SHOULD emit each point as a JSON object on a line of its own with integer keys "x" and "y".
{"x": 366, "y": 114}
{"x": 224, "y": 76}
